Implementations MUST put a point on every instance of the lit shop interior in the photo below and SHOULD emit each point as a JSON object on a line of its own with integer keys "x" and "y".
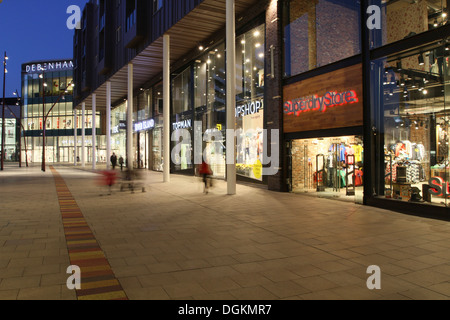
{"x": 410, "y": 94}
{"x": 329, "y": 167}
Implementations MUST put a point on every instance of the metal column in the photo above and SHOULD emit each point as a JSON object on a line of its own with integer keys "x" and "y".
{"x": 129, "y": 156}
{"x": 166, "y": 109}
{"x": 83, "y": 134}
{"x": 108, "y": 124}
{"x": 94, "y": 136}
{"x": 75, "y": 137}
{"x": 231, "y": 96}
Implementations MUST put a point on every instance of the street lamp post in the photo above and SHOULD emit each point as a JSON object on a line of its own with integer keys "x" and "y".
{"x": 22, "y": 130}
{"x": 3, "y": 114}
{"x": 43, "y": 122}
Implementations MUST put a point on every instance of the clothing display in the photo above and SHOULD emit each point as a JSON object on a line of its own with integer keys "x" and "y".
{"x": 339, "y": 157}
{"x": 405, "y": 154}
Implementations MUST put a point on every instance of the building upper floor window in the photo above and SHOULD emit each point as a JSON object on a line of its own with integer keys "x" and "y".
{"x": 317, "y": 33}
{"x": 131, "y": 14}
{"x": 157, "y": 4}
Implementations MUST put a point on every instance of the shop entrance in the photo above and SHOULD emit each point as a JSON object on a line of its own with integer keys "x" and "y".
{"x": 328, "y": 167}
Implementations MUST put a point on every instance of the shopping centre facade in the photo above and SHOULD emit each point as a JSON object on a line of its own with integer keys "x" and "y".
{"x": 356, "y": 90}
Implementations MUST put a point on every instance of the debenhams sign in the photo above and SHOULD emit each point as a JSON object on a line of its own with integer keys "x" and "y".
{"x": 49, "y": 66}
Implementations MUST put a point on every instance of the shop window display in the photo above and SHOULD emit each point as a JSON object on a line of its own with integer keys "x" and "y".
{"x": 250, "y": 103}
{"x": 182, "y": 119}
{"x": 410, "y": 95}
{"x": 209, "y": 98}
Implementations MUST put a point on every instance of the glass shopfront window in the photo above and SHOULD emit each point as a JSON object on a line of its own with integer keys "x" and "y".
{"x": 319, "y": 32}
{"x": 157, "y": 140}
{"x": 10, "y": 139}
{"x": 250, "y": 103}
{"x": 182, "y": 119}
{"x": 210, "y": 100}
{"x": 410, "y": 95}
{"x": 118, "y": 131}
{"x": 402, "y": 19}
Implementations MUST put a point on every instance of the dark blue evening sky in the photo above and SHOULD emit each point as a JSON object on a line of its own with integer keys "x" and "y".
{"x": 33, "y": 30}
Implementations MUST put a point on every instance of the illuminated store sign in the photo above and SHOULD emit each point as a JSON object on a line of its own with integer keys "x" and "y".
{"x": 252, "y": 107}
{"x": 49, "y": 66}
{"x": 439, "y": 187}
{"x": 185, "y": 124}
{"x": 316, "y": 103}
{"x": 122, "y": 126}
{"x": 144, "y": 125}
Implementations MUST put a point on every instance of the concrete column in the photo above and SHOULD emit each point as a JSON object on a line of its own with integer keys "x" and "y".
{"x": 130, "y": 118}
{"x": 166, "y": 110}
{"x": 108, "y": 124}
{"x": 75, "y": 137}
{"x": 94, "y": 134}
{"x": 231, "y": 96}
{"x": 83, "y": 135}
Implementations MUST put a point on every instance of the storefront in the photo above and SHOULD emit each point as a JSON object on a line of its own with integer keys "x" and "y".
{"x": 323, "y": 121}
{"x": 143, "y": 132}
{"x": 410, "y": 93}
{"x": 119, "y": 130}
{"x": 250, "y": 103}
{"x": 47, "y": 94}
{"x": 198, "y": 120}
{"x": 11, "y": 139}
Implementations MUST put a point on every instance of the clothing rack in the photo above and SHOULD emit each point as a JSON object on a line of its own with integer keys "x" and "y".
{"x": 350, "y": 192}
{"x": 320, "y": 173}
{"x": 389, "y": 174}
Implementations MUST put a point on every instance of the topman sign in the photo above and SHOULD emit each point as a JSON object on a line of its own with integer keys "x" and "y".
{"x": 49, "y": 66}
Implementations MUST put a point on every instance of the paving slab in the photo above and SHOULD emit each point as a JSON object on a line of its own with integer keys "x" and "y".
{"x": 173, "y": 242}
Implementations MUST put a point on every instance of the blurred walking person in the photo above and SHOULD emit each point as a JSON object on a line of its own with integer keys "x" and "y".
{"x": 113, "y": 160}
{"x": 121, "y": 162}
{"x": 205, "y": 171}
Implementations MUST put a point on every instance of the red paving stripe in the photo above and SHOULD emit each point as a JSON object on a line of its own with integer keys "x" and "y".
{"x": 98, "y": 281}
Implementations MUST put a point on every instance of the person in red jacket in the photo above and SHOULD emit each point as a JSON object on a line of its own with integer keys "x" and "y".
{"x": 205, "y": 171}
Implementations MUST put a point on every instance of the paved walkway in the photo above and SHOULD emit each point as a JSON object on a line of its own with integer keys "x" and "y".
{"x": 174, "y": 242}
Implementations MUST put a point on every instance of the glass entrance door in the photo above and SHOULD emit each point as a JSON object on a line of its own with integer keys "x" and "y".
{"x": 328, "y": 167}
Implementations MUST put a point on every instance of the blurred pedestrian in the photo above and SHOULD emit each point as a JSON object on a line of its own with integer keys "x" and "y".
{"x": 121, "y": 163}
{"x": 205, "y": 171}
{"x": 113, "y": 160}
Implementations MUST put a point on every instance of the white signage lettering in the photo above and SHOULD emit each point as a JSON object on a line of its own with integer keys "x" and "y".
{"x": 182, "y": 124}
{"x": 252, "y": 107}
{"x": 144, "y": 125}
{"x": 49, "y": 66}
